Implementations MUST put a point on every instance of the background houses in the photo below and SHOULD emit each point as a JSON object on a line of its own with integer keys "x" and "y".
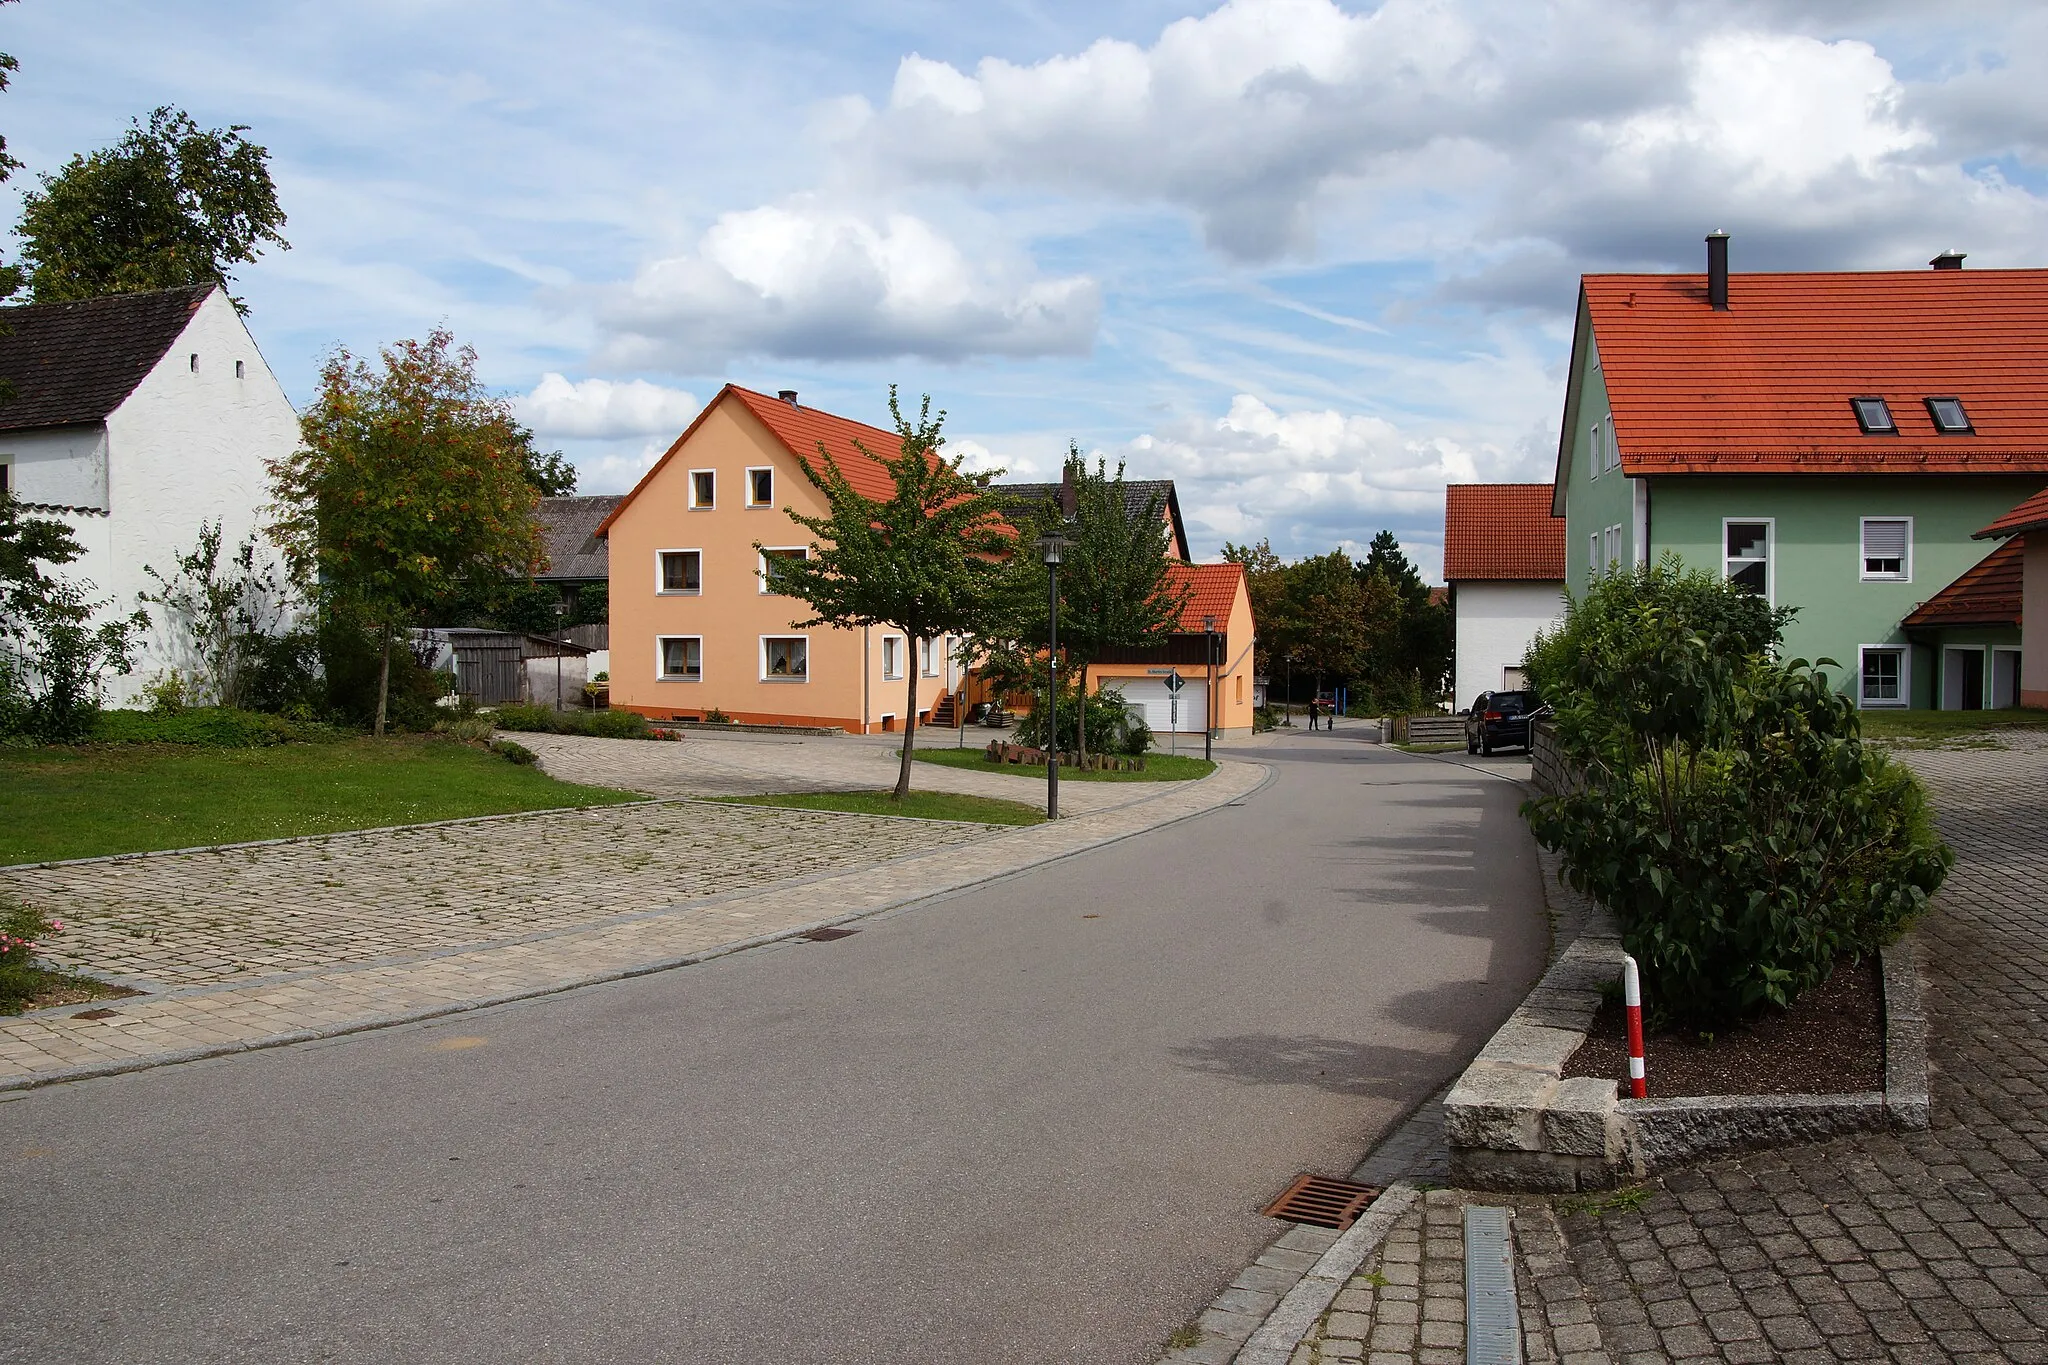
{"x": 1504, "y": 562}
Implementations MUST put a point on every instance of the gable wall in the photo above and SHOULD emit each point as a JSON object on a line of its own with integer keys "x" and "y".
{"x": 184, "y": 448}
{"x": 1593, "y": 502}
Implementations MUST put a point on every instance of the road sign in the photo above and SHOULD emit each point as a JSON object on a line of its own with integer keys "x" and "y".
{"x": 1174, "y": 681}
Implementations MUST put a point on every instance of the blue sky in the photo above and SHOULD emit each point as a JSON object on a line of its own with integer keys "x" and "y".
{"x": 1311, "y": 260}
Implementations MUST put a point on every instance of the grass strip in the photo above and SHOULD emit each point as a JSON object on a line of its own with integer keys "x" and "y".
{"x": 86, "y": 801}
{"x": 1158, "y": 767}
{"x": 985, "y": 810}
{"x": 1946, "y": 725}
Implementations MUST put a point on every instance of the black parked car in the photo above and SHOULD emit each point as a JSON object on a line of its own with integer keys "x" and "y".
{"x": 1500, "y": 720}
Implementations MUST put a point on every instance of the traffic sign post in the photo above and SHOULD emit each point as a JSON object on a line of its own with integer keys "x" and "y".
{"x": 1174, "y": 683}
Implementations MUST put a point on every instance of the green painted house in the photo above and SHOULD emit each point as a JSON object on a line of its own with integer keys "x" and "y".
{"x": 1833, "y": 441}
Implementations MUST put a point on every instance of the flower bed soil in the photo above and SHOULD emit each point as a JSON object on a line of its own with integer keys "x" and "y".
{"x": 1831, "y": 1042}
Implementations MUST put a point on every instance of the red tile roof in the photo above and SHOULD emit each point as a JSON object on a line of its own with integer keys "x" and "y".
{"x": 1215, "y": 589}
{"x": 1763, "y": 387}
{"x": 801, "y": 430}
{"x": 1501, "y": 531}
{"x": 2031, "y": 515}
{"x": 1986, "y": 595}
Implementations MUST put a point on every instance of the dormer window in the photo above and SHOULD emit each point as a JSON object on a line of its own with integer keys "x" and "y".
{"x": 1949, "y": 417}
{"x": 1874, "y": 417}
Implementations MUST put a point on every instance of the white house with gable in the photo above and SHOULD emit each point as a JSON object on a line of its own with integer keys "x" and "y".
{"x": 135, "y": 419}
{"x": 1504, "y": 560}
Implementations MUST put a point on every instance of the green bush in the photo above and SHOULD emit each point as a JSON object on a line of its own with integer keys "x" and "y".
{"x": 1730, "y": 814}
{"x": 517, "y": 753}
{"x": 470, "y": 729}
{"x": 604, "y": 724}
{"x": 210, "y": 726}
{"x": 1112, "y": 729}
{"x": 21, "y": 930}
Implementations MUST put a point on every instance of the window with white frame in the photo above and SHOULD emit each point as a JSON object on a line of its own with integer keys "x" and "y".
{"x": 6, "y": 477}
{"x": 771, "y": 556}
{"x": 682, "y": 656}
{"x": 892, "y": 656}
{"x": 703, "y": 490}
{"x": 761, "y": 487}
{"x": 1747, "y": 547}
{"x": 1883, "y": 672}
{"x": 1610, "y": 546}
{"x": 928, "y": 658}
{"x": 1599, "y": 445}
{"x": 681, "y": 571}
{"x": 1593, "y": 553}
{"x": 785, "y": 658}
{"x": 1888, "y": 549}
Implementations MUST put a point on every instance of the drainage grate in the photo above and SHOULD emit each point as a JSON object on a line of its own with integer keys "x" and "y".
{"x": 1322, "y": 1202}
{"x": 1493, "y": 1324}
{"x": 827, "y": 935}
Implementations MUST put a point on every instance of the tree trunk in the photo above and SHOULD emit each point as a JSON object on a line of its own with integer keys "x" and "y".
{"x": 383, "y": 682}
{"x": 909, "y": 720}
{"x": 1081, "y": 719}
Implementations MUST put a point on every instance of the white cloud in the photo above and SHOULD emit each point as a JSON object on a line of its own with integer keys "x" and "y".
{"x": 604, "y": 409}
{"x": 813, "y": 282}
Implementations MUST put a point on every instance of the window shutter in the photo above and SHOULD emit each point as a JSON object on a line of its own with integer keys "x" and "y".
{"x": 1884, "y": 540}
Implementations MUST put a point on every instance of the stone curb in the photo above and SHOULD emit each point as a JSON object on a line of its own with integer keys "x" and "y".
{"x": 1228, "y": 794}
{"x": 1313, "y": 1293}
{"x": 1513, "y": 1122}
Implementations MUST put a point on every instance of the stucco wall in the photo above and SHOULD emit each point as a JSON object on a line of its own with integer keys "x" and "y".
{"x": 187, "y": 446}
{"x": 1494, "y": 624}
{"x": 58, "y": 467}
{"x": 1816, "y": 550}
{"x": 731, "y": 614}
{"x": 1593, "y": 501}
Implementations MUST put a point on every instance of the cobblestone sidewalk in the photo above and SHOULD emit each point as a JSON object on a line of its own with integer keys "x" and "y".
{"x": 703, "y": 913}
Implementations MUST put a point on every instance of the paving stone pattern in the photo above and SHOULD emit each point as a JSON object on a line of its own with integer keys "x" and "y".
{"x": 1904, "y": 1247}
{"x": 196, "y": 918}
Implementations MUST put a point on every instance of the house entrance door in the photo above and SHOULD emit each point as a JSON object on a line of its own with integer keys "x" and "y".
{"x": 1962, "y": 678}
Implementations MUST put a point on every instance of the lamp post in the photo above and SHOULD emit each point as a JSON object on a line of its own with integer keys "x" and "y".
{"x": 1209, "y": 691}
{"x": 1051, "y": 546}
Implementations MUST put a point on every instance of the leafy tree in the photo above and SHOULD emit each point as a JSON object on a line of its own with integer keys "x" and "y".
{"x": 551, "y": 475}
{"x": 1113, "y": 578}
{"x": 52, "y": 653}
{"x": 10, "y": 275}
{"x": 1326, "y": 608}
{"x": 1265, "y": 583}
{"x": 924, "y": 560}
{"x": 171, "y": 204}
{"x": 412, "y": 478}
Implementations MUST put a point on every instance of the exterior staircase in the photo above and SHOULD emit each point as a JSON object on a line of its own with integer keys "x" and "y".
{"x": 945, "y": 712}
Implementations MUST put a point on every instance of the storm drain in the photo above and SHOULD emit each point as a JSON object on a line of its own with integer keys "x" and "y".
{"x": 827, "y": 935}
{"x": 1493, "y": 1324}
{"x": 1322, "y": 1202}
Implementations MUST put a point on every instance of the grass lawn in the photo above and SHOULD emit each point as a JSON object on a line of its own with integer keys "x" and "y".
{"x": 82, "y": 802}
{"x": 985, "y": 810}
{"x": 1962, "y": 729}
{"x": 1158, "y": 767}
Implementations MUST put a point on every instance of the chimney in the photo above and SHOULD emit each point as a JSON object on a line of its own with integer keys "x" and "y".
{"x": 787, "y": 395}
{"x": 1717, "y": 270}
{"x": 1949, "y": 260}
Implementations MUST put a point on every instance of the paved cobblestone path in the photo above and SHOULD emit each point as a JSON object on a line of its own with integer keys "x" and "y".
{"x": 1909, "y": 1247}
{"x": 196, "y": 918}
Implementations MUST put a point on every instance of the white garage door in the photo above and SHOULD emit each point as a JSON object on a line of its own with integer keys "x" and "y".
{"x": 1151, "y": 694}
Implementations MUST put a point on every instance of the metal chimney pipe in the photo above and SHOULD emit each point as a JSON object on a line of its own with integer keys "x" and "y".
{"x": 787, "y": 395}
{"x": 1949, "y": 260}
{"x": 1717, "y": 270}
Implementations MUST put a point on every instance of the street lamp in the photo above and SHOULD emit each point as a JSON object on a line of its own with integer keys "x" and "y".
{"x": 1052, "y": 545}
{"x": 1209, "y": 693}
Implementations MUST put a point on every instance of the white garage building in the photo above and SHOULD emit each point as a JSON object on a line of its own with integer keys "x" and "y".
{"x": 1504, "y": 560}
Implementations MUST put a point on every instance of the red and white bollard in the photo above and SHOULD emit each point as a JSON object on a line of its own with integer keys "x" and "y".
{"x": 1632, "y": 1006}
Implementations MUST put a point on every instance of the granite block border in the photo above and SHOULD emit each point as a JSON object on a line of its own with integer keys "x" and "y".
{"x": 1514, "y": 1122}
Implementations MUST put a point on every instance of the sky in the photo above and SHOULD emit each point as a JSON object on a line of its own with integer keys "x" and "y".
{"x": 1311, "y": 260}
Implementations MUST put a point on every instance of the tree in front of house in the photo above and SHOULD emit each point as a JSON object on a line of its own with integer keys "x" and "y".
{"x": 923, "y": 560}
{"x": 1326, "y": 609}
{"x": 1114, "y": 587}
{"x": 54, "y": 649}
{"x": 171, "y": 204}
{"x": 412, "y": 479}
{"x": 1408, "y": 650}
{"x": 222, "y": 615}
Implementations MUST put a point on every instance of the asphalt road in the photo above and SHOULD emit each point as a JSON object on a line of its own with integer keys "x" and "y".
{"x": 1029, "y": 1123}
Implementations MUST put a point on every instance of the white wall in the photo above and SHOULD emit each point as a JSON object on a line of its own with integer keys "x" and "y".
{"x": 186, "y": 447}
{"x": 1495, "y": 622}
{"x": 58, "y": 467}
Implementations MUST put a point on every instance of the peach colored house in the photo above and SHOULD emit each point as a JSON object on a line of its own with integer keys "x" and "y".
{"x": 693, "y": 628}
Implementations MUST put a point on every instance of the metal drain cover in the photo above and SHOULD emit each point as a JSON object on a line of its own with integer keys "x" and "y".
{"x": 1322, "y": 1202}
{"x": 827, "y": 935}
{"x": 1493, "y": 1323}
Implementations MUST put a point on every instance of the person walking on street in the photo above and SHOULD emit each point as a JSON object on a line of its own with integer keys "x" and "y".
{"x": 1313, "y": 711}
